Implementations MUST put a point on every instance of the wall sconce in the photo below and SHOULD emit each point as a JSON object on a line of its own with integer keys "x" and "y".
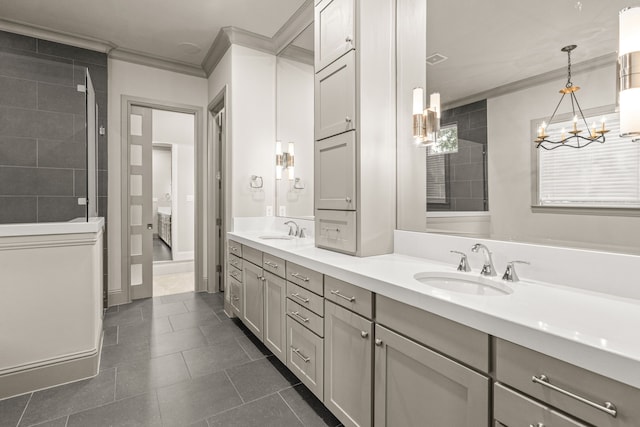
{"x": 284, "y": 160}
{"x": 426, "y": 122}
{"x": 629, "y": 62}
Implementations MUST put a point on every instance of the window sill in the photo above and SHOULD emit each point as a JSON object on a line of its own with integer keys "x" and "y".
{"x": 579, "y": 210}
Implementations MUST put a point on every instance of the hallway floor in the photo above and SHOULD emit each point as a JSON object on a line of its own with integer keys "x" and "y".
{"x": 169, "y": 284}
{"x": 175, "y": 361}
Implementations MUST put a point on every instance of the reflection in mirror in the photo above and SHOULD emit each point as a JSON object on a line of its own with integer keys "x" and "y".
{"x": 294, "y": 127}
{"x": 498, "y": 71}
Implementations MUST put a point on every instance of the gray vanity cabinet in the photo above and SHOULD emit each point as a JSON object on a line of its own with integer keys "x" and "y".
{"x": 253, "y": 298}
{"x": 335, "y": 104}
{"x": 335, "y": 164}
{"x": 275, "y": 292}
{"x": 415, "y": 386}
{"x": 334, "y": 26}
{"x": 348, "y": 355}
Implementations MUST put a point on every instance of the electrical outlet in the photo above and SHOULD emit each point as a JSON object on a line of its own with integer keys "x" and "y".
{"x": 282, "y": 210}
{"x": 269, "y": 210}
{"x": 82, "y": 201}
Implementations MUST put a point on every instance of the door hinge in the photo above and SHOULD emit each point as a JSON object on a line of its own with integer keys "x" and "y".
{"x": 218, "y": 268}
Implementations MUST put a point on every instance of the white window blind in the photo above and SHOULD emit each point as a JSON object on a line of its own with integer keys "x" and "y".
{"x": 600, "y": 175}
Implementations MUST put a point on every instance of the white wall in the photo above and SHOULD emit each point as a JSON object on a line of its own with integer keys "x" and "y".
{"x": 509, "y": 169}
{"x": 295, "y": 115}
{"x": 145, "y": 82}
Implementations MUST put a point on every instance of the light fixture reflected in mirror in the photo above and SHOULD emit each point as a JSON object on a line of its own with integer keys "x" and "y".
{"x": 426, "y": 121}
{"x": 285, "y": 160}
{"x": 629, "y": 62}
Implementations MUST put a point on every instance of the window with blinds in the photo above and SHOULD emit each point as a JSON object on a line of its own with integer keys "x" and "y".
{"x": 600, "y": 175}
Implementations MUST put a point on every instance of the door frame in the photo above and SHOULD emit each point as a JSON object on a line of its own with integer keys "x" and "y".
{"x": 200, "y": 150}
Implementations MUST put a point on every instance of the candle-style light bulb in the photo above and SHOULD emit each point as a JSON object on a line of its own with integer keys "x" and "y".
{"x": 418, "y": 103}
{"x": 593, "y": 130}
{"x": 434, "y": 103}
{"x": 575, "y": 123}
{"x": 603, "y": 120}
{"x": 563, "y": 133}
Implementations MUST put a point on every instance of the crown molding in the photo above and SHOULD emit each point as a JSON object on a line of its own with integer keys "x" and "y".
{"x": 296, "y": 24}
{"x": 558, "y": 74}
{"x": 140, "y": 58}
{"x": 43, "y": 33}
{"x": 216, "y": 51}
{"x": 296, "y": 53}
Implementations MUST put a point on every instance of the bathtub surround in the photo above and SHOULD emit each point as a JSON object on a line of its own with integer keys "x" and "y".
{"x": 52, "y": 329}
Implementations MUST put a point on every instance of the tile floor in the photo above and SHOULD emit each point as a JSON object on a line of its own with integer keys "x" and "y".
{"x": 175, "y": 361}
{"x": 175, "y": 283}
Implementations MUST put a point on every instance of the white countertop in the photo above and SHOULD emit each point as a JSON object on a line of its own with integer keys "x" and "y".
{"x": 47, "y": 228}
{"x": 592, "y": 330}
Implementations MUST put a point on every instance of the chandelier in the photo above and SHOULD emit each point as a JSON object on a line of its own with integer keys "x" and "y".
{"x": 572, "y": 138}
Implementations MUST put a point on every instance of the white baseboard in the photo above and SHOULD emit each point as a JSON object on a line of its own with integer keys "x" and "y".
{"x": 172, "y": 267}
{"x": 182, "y": 256}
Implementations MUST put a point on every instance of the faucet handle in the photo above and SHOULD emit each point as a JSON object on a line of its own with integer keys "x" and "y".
{"x": 291, "y": 224}
{"x": 302, "y": 234}
{"x": 510, "y": 274}
{"x": 463, "y": 265}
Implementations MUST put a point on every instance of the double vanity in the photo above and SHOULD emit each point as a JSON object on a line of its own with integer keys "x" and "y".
{"x": 400, "y": 340}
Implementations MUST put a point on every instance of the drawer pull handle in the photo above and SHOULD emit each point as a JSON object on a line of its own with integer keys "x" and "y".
{"x": 337, "y": 230}
{"x": 608, "y": 407}
{"x": 299, "y": 276}
{"x": 302, "y": 356}
{"x": 271, "y": 264}
{"x": 536, "y": 425}
{"x": 297, "y": 314}
{"x": 347, "y": 199}
{"x": 348, "y": 39}
{"x": 235, "y": 298}
{"x": 378, "y": 342}
{"x": 338, "y": 294}
{"x": 234, "y": 249}
{"x": 299, "y": 298}
{"x": 364, "y": 334}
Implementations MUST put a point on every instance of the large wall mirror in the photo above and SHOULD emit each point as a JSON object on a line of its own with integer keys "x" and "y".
{"x": 294, "y": 127}
{"x": 498, "y": 67}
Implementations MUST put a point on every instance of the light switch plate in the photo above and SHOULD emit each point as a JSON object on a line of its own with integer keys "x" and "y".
{"x": 282, "y": 210}
{"x": 82, "y": 201}
{"x": 269, "y": 210}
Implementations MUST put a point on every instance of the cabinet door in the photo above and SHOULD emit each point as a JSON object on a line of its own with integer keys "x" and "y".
{"x": 275, "y": 292}
{"x": 335, "y": 172}
{"x": 235, "y": 296}
{"x": 348, "y": 355}
{"x": 414, "y": 384}
{"x": 335, "y": 102}
{"x": 305, "y": 356}
{"x": 253, "y": 298}
{"x": 334, "y": 31}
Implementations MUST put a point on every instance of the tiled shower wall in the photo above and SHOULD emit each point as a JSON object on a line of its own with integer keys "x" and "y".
{"x": 465, "y": 171}
{"x": 42, "y": 130}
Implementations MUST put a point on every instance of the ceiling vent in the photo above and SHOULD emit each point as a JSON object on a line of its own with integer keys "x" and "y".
{"x": 436, "y": 58}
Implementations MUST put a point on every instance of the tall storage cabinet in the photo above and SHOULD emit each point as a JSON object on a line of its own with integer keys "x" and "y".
{"x": 355, "y": 126}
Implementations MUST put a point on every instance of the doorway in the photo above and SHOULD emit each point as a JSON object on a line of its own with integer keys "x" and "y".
{"x": 173, "y": 215}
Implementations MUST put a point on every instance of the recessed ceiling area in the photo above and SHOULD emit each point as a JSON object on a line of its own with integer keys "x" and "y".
{"x": 169, "y": 29}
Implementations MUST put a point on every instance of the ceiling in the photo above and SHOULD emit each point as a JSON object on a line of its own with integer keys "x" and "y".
{"x": 491, "y": 43}
{"x": 180, "y": 31}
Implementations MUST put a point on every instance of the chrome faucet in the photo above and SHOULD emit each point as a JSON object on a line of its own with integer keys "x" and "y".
{"x": 463, "y": 265}
{"x": 291, "y": 232}
{"x": 510, "y": 274}
{"x": 487, "y": 269}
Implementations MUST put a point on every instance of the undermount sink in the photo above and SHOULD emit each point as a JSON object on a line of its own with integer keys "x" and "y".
{"x": 464, "y": 283}
{"x": 277, "y": 237}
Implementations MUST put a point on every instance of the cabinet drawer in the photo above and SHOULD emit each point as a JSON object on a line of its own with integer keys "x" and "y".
{"x": 458, "y": 341}
{"x": 349, "y": 296}
{"x": 305, "y": 317}
{"x": 254, "y": 256}
{"x": 273, "y": 264}
{"x": 305, "y": 356}
{"x": 235, "y": 297}
{"x": 335, "y": 172}
{"x": 235, "y": 261}
{"x": 336, "y": 230}
{"x": 235, "y": 273}
{"x": 305, "y": 298}
{"x": 334, "y": 29}
{"x": 235, "y": 248}
{"x": 305, "y": 277}
{"x": 335, "y": 98}
{"x": 514, "y": 409}
{"x": 516, "y": 366}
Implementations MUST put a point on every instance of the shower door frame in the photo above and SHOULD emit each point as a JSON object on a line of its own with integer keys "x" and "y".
{"x": 127, "y": 102}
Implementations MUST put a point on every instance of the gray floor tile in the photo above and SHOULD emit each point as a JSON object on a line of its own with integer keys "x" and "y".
{"x": 140, "y": 410}
{"x": 223, "y": 331}
{"x": 110, "y": 336}
{"x": 145, "y": 375}
{"x": 201, "y": 423}
{"x": 260, "y": 378}
{"x": 265, "y": 412}
{"x": 223, "y": 355}
{"x": 113, "y": 309}
{"x": 121, "y": 354}
{"x": 198, "y": 305}
{"x": 163, "y": 310}
{"x": 254, "y": 348}
{"x": 308, "y": 407}
{"x": 11, "y": 410}
{"x": 123, "y": 317}
{"x": 143, "y": 330}
{"x": 174, "y": 342}
{"x": 193, "y": 319}
{"x": 196, "y": 399}
{"x": 70, "y": 398}
{"x": 60, "y": 422}
{"x": 185, "y": 296}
